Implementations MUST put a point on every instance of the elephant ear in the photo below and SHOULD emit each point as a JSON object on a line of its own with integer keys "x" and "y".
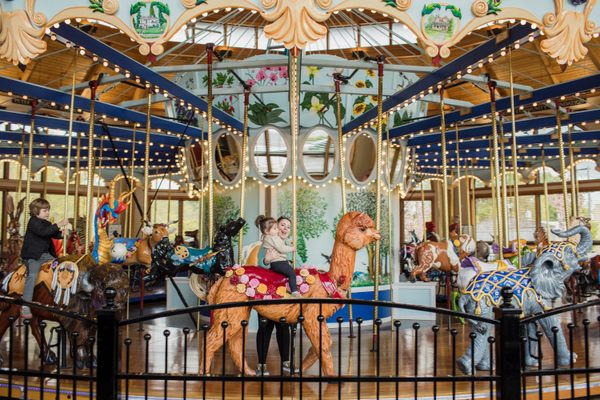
{"x": 548, "y": 276}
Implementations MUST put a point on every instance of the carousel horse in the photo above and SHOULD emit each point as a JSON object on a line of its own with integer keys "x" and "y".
{"x": 444, "y": 255}
{"x": 12, "y": 250}
{"x": 534, "y": 288}
{"x": 354, "y": 231}
{"x": 73, "y": 284}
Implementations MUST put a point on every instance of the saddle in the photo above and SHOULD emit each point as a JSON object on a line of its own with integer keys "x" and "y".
{"x": 261, "y": 283}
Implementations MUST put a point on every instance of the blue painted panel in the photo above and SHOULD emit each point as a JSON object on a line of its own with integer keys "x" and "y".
{"x": 365, "y": 312}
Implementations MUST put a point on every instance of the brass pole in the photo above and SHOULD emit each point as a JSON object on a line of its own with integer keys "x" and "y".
{"x": 202, "y": 192}
{"x": 504, "y": 190}
{"x": 493, "y": 187}
{"x": 574, "y": 206}
{"x": 77, "y": 181}
{"x": 492, "y": 87}
{"x": 467, "y": 196}
{"x": 100, "y": 164}
{"x": 514, "y": 154}
{"x": 34, "y": 104}
{"x": 561, "y": 156}
{"x": 244, "y": 166}
{"x": 341, "y": 153}
{"x": 169, "y": 197}
{"x": 45, "y": 174}
{"x": 90, "y": 168}
{"x": 69, "y": 144}
{"x": 474, "y": 203}
{"x": 21, "y": 160}
{"x": 423, "y": 211}
{"x": 445, "y": 210}
{"x": 389, "y": 216}
{"x": 294, "y": 124}
{"x": 132, "y": 171}
{"x": 546, "y": 206}
{"x": 209, "y": 118}
{"x": 459, "y": 195}
{"x": 147, "y": 159}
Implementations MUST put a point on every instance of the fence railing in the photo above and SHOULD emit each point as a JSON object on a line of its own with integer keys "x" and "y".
{"x": 385, "y": 360}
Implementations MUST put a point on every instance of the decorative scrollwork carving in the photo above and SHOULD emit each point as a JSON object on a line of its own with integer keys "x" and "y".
{"x": 295, "y": 23}
{"x": 110, "y": 6}
{"x": 479, "y": 8}
{"x": 20, "y": 40}
{"x": 567, "y": 32}
{"x": 403, "y": 5}
{"x": 188, "y": 3}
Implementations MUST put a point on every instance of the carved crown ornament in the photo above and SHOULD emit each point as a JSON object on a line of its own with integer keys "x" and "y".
{"x": 568, "y": 25}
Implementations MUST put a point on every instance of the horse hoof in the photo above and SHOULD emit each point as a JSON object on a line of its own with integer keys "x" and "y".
{"x": 50, "y": 358}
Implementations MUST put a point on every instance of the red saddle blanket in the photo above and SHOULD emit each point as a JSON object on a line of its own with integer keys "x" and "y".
{"x": 261, "y": 283}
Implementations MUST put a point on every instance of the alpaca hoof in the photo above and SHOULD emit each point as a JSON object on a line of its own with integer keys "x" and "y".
{"x": 464, "y": 365}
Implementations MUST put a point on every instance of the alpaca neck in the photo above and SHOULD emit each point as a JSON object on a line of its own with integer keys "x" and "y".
{"x": 342, "y": 264}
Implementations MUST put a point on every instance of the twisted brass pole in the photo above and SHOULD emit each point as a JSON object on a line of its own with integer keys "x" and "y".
{"x": 492, "y": 87}
{"x": 34, "y": 104}
{"x": 341, "y": 154}
{"x": 514, "y": 154}
{"x": 77, "y": 181}
{"x": 423, "y": 211}
{"x": 209, "y": 119}
{"x": 69, "y": 144}
{"x": 574, "y": 205}
{"x": 504, "y": 190}
{"x": 244, "y": 165}
{"x": 459, "y": 199}
{"x": 561, "y": 156}
{"x": 494, "y": 193}
{"x": 444, "y": 168}
{"x": 546, "y": 206}
{"x": 147, "y": 158}
{"x": 202, "y": 192}
{"x": 90, "y": 167}
{"x": 45, "y": 174}
{"x": 294, "y": 122}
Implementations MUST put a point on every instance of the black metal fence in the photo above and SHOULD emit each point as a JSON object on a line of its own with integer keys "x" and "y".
{"x": 385, "y": 360}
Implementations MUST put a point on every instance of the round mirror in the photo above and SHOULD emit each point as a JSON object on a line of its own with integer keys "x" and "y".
{"x": 395, "y": 164}
{"x": 196, "y": 165}
{"x": 270, "y": 155}
{"x": 361, "y": 158}
{"x": 318, "y": 155}
{"x": 228, "y": 159}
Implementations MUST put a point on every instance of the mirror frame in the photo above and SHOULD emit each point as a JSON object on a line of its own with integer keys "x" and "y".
{"x": 252, "y": 159}
{"x": 216, "y": 174}
{"x": 349, "y": 173}
{"x": 335, "y": 167}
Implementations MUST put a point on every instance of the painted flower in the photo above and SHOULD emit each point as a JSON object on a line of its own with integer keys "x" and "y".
{"x": 240, "y": 271}
{"x": 234, "y": 280}
{"x": 244, "y": 279}
{"x": 304, "y": 272}
{"x": 241, "y": 288}
{"x": 250, "y": 82}
{"x": 228, "y": 273}
{"x": 299, "y": 280}
{"x": 274, "y": 77}
{"x": 310, "y": 279}
{"x": 281, "y": 291}
{"x": 359, "y": 108}
{"x": 262, "y": 288}
{"x": 261, "y": 76}
{"x": 374, "y": 99}
{"x": 268, "y": 297}
{"x": 312, "y": 70}
{"x": 315, "y": 105}
{"x": 250, "y": 292}
{"x": 371, "y": 73}
{"x": 271, "y": 288}
{"x": 253, "y": 283}
{"x": 360, "y": 84}
{"x": 303, "y": 288}
{"x": 283, "y": 72}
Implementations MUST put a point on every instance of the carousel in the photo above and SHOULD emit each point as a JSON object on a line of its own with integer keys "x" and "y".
{"x": 407, "y": 192}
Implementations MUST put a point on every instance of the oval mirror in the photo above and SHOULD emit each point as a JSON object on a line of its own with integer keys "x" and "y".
{"x": 196, "y": 165}
{"x": 318, "y": 155}
{"x": 227, "y": 157}
{"x": 361, "y": 158}
{"x": 270, "y": 155}
{"x": 395, "y": 163}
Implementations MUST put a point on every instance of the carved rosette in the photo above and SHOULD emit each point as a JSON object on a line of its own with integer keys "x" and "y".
{"x": 479, "y": 8}
{"x": 110, "y": 6}
{"x": 295, "y": 23}
{"x": 188, "y": 3}
{"x": 21, "y": 36}
{"x": 403, "y": 5}
{"x": 567, "y": 32}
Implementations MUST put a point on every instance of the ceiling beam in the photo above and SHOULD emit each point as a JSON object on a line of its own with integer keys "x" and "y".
{"x": 545, "y": 62}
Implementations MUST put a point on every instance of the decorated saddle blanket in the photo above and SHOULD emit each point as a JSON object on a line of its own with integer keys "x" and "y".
{"x": 488, "y": 287}
{"x": 261, "y": 283}
{"x": 558, "y": 250}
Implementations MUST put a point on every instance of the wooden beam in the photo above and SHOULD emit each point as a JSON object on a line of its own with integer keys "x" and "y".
{"x": 546, "y": 62}
{"x": 28, "y": 70}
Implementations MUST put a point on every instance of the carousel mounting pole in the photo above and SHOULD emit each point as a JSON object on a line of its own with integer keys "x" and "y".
{"x": 244, "y": 166}
{"x": 561, "y": 156}
{"x": 573, "y": 168}
{"x": 493, "y": 187}
{"x": 380, "y": 61}
{"x": 34, "y": 104}
{"x": 294, "y": 55}
{"x": 90, "y": 167}
{"x": 209, "y": 120}
{"x": 169, "y": 197}
{"x": 45, "y": 174}
{"x": 423, "y": 210}
{"x": 130, "y": 210}
{"x": 468, "y": 196}
{"x": 444, "y": 167}
{"x": 69, "y": 144}
{"x": 503, "y": 182}
{"x": 459, "y": 195}
{"x": 514, "y": 154}
{"x": 389, "y": 213}
{"x": 100, "y": 163}
{"x": 492, "y": 87}
{"x": 546, "y": 206}
{"x": 77, "y": 181}
{"x": 21, "y": 160}
{"x": 147, "y": 159}
{"x": 342, "y": 158}
{"x": 474, "y": 203}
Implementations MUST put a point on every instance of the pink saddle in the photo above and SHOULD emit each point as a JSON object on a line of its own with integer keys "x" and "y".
{"x": 262, "y": 283}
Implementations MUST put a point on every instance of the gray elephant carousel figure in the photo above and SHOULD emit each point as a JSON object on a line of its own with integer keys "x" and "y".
{"x": 533, "y": 288}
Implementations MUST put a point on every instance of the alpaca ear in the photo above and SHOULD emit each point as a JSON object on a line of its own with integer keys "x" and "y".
{"x": 147, "y": 230}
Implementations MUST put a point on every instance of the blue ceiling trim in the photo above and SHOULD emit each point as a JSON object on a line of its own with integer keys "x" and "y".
{"x": 521, "y": 125}
{"x": 103, "y": 50}
{"x": 483, "y": 155}
{"x": 34, "y": 91}
{"x": 108, "y": 154}
{"x": 538, "y": 95}
{"x": 59, "y": 123}
{"x": 441, "y": 74}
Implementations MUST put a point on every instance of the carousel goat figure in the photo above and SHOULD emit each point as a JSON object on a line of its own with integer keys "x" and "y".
{"x": 534, "y": 289}
{"x": 444, "y": 255}
{"x": 74, "y": 284}
{"x": 242, "y": 283}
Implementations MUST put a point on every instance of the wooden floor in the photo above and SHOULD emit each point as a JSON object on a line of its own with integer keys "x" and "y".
{"x": 352, "y": 350}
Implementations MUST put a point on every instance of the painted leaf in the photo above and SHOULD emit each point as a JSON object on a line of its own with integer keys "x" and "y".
{"x": 455, "y": 11}
{"x": 429, "y": 8}
{"x": 136, "y": 7}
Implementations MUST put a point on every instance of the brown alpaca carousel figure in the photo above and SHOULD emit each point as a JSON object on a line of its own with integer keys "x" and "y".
{"x": 354, "y": 231}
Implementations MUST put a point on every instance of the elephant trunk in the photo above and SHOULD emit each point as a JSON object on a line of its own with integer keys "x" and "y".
{"x": 585, "y": 243}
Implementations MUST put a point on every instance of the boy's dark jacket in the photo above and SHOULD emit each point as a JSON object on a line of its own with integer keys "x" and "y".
{"x": 38, "y": 238}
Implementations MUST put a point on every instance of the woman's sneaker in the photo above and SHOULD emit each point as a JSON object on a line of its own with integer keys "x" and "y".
{"x": 287, "y": 369}
{"x": 261, "y": 370}
{"x": 26, "y": 312}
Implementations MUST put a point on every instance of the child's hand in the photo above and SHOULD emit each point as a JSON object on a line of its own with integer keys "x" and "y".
{"x": 63, "y": 223}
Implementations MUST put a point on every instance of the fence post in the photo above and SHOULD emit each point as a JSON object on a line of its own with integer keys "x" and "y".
{"x": 106, "y": 373}
{"x": 508, "y": 348}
